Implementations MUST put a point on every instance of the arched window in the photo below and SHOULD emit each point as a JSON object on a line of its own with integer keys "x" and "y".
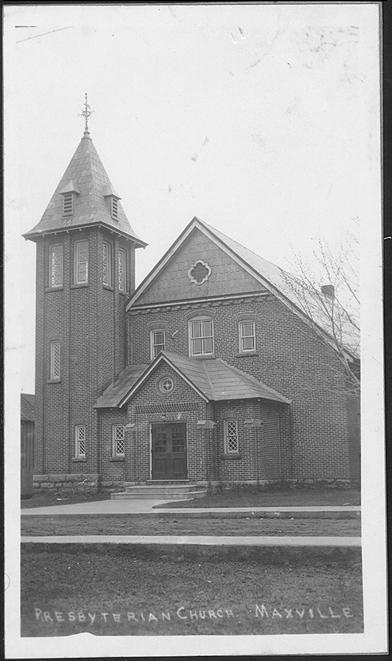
{"x": 201, "y": 336}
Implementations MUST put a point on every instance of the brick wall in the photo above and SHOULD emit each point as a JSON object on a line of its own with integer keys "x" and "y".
{"x": 289, "y": 357}
{"x": 182, "y": 405}
{"x": 113, "y": 470}
{"x": 89, "y": 322}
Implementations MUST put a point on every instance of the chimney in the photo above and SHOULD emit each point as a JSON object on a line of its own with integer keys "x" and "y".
{"x": 328, "y": 290}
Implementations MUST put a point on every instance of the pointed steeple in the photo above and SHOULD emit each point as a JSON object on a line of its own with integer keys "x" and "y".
{"x": 81, "y": 197}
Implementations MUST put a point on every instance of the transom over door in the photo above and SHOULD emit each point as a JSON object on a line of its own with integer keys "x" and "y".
{"x": 169, "y": 451}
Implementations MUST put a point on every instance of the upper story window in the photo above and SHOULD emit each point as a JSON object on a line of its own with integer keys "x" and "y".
{"x": 81, "y": 262}
{"x": 157, "y": 342}
{"x": 80, "y": 441}
{"x": 201, "y": 337}
{"x": 55, "y": 361}
{"x": 107, "y": 264}
{"x": 68, "y": 204}
{"x": 56, "y": 266}
{"x": 122, "y": 270}
{"x": 230, "y": 437}
{"x": 247, "y": 336}
{"x": 118, "y": 440}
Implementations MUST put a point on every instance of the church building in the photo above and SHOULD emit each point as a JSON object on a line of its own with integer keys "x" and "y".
{"x": 208, "y": 372}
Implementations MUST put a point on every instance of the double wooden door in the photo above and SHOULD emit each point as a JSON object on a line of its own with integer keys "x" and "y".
{"x": 169, "y": 451}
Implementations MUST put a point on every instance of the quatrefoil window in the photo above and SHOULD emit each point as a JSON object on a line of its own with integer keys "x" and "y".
{"x": 199, "y": 272}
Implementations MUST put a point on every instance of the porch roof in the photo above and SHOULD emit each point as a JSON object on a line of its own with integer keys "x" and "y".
{"x": 213, "y": 379}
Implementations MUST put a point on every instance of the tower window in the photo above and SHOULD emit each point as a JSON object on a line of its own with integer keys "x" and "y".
{"x": 107, "y": 264}
{"x": 231, "y": 441}
{"x": 81, "y": 262}
{"x": 114, "y": 208}
{"x": 157, "y": 342}
{"x": 80, "y": 441}
{"x": 201, "y": 337}
{"x": 247, "y": 336}
{"x": 122, "y": 270}
{"x": 118, "y": 440}
{"x": 56, "y": 266}
{"x": 67, "y": 204}
{"x": 54, "y": 361}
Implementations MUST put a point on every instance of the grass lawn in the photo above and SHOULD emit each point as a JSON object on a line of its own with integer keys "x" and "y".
{"x": 127, "y": 525}
{"x": 117, "y": 591}
{"x": 258, "y": 497}
{"x": 47, "y": 499}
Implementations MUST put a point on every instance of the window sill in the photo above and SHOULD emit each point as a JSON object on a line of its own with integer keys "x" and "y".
{"x": 60, "y": 288}
{"x": 244, "y": 354}
{"x": 108, "y": 287}
{"x": 117, "y": 459}
{"x": 79, "y": 460}
{"x": 79, "y": 286}
{"x": 230, "y": 456}
{"x": 54, "y": 380}
{"x": 206, "y": 357}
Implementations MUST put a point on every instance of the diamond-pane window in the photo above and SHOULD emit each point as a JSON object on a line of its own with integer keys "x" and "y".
{"x": 247, "y": 336}
{"x": 231, "y": 441}
{"x": 107, "y": 264}
{"x": 118, "y": 440}
{"x": 80, "y": 441}
{"x": 201, "y": 336}
{"x": 122, "y": 270}
{"x": 81, "y": 262}
{"x": 157, "y": 342}
{"x": 56, "y": 266}
{"x": 55, "y": 361}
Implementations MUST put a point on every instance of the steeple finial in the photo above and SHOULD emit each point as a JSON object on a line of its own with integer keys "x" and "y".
{"x": 86, "y": 112}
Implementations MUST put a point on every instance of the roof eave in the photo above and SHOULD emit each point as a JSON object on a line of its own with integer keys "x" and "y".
{"x": 33, "y": 236}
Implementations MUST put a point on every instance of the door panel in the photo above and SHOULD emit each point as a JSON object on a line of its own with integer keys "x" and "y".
{"x": 169, "y": 456}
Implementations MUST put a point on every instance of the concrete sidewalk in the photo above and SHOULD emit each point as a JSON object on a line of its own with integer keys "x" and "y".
{"x": 205, "y": 540}
{"x": 146, "y": 507}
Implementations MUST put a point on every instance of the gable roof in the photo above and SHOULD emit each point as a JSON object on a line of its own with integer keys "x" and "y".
{"x": 280, "y": 283}
{"x": 27, "y": 407}
{"x": 86, "y": 176}
{"x": 213, "y": 380}
{"x": 112, "y": 396}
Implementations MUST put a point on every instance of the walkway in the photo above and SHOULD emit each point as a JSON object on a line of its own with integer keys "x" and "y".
{"x": 205, "y": 540}
{"x": 146, "y": 507}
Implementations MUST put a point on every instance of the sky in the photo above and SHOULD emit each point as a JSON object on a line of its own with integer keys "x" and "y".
{"x": 261, "y": 120}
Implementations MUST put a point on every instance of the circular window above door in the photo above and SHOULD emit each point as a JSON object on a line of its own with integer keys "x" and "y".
{"x": 166, "y": 385}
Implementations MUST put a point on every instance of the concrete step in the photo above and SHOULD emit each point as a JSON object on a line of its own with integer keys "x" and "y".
{"x": 130, "y": 495}
{"x": 167, "y": 490}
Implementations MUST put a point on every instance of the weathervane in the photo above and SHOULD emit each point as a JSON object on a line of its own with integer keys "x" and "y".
{"x": 86, "y": 112}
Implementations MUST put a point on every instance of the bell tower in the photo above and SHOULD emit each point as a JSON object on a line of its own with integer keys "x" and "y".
{"x": 85, "y": 272}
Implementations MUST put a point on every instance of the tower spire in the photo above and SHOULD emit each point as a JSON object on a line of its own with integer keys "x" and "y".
{"x": 86, "y": 112}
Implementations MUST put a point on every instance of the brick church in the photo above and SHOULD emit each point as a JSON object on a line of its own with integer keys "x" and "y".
{"x": 208, "y": 371}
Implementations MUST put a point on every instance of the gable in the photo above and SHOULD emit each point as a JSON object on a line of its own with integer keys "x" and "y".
{"x": 173, "y": 283}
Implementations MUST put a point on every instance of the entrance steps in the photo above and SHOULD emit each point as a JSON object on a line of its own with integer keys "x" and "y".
{"x": 160, "y": 490}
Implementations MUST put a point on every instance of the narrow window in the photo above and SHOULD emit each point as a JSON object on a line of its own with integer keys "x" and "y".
{"x": 107, "y": 263}
{"x": 247, "y": 336}
{"x": 201, "y": 337}
{"x": 81, "y": 262}
{"x": 54, "y": 361}
{"x": 114, "y": 208}
{"x": 157, "y": 342}
{"x": 67, "y": 204}
{"x": 118, "y": 440}
{"x": 80, "y": 441}
{"x": 231, "y": 442}
{"x": 56, "y": 266}
{"x": 122, "y": 270}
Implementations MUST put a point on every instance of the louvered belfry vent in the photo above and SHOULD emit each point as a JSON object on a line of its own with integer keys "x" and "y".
{"x": 114, "y": 208}
{"x": 68, "y": 204}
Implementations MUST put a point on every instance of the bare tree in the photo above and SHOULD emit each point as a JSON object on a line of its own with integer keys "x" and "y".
{"x": 328, "y": 293}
